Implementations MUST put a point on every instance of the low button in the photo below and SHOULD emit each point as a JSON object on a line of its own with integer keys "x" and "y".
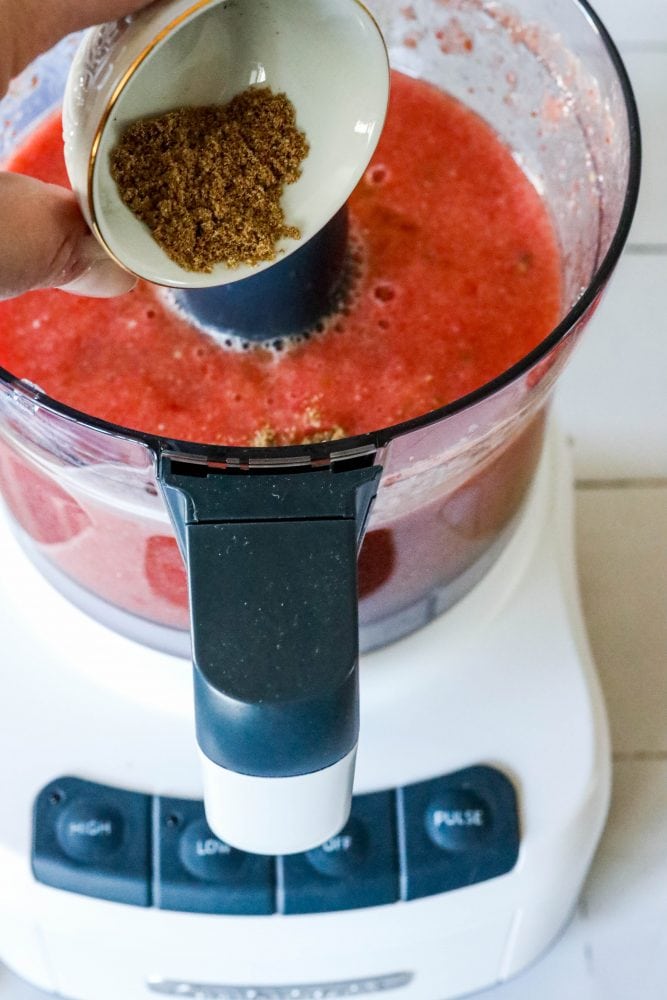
{"x": 458, "y": 819}
{"x": 206, "y": 857}
{"x": 90, "y": 832}
{"x": 342, "y": 854}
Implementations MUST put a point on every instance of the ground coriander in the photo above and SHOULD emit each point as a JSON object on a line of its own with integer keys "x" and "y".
{"x": 267, "y": 437}
{"x": 208, "y": 181}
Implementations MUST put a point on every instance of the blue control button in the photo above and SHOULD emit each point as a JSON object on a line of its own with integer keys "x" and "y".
{"x": 205, "y": 856}
{"x": 356, "y": 868}
{"x": 89, "y": 831}
{"x": 344, "y": 854}
{"x": 459, "y": 830}
{"x": 93, "y": 840}
{"x": 196, "y": 872}
{"x": 458, "y": 819}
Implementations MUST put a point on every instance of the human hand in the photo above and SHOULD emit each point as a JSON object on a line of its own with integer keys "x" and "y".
{"x": 44, "y": 240}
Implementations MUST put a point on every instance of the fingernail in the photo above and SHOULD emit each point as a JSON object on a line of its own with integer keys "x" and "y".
{"x": 103, "y": 279}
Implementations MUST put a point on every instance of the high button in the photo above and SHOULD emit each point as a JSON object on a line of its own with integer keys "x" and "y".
{"x": 93, "y": 840}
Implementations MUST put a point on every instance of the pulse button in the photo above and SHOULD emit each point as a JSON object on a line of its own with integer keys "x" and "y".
{"x": 458, "y": 819}
{"x": 458, "y": 830}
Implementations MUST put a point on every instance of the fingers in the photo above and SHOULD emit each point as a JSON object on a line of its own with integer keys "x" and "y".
{"x": 33, "y": 26}
{"x": 70, "y": 15}
{"x": 44, "y": 242}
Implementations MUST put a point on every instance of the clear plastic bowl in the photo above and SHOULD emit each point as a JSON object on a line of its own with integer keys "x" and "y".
{"x": 83, "y": 493}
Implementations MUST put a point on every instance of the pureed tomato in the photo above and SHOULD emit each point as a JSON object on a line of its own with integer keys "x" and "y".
{"x": 460, "y": 277}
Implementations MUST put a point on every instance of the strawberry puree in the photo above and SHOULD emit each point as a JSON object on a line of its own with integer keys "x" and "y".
{"x": 461, "y": 278}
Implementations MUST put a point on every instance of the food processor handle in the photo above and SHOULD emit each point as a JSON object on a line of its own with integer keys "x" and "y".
{"x": 272, "y": 571}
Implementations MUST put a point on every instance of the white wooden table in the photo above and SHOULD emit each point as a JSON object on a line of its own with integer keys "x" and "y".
{"x": 613, "y": 403}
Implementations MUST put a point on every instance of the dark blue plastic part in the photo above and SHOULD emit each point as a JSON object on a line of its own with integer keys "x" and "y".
{"x": 458, "y": 831}
{"x": 94, "y": 841}
{"x": 275, "y": 679}
{"x": 357, "y": 868}
{"x": 289, "y": 298}
{"x": 272, "y": 570}
{"x": 195, "y": 872}
{"x": 423, "y": 840}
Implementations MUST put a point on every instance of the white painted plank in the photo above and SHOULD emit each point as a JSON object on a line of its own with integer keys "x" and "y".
{"x": 625, "y": 900}
{"x": 635, "y": 22}
{"x": 648, "y": 72}
{"x": 612, "y": 399}
{"x": 622, "y": 555}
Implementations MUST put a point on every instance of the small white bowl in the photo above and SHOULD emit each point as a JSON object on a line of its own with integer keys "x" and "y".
{"x": 328, "y": 56}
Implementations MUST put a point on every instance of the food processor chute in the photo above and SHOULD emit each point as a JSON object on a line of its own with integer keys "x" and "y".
{"x": 452, "y": 481}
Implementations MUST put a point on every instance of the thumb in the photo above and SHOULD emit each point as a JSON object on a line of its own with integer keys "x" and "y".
{"x": 45, "y": 242}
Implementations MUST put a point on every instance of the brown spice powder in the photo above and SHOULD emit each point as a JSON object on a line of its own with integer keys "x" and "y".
{"x": 311, "y": 422}
{"x": 208, "y": 181}
{"x": 267, "y": 437}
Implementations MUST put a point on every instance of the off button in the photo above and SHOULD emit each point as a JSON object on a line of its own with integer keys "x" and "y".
{"x": 458, "y": 819}
{"x": 343, "y": 854}
{"x": 356, "y": 868}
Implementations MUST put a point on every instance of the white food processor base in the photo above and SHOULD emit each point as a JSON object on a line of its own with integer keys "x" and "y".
{"x": 504, "y": 679}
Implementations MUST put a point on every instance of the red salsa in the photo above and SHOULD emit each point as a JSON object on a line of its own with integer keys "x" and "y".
{"x": 460, "y": 277}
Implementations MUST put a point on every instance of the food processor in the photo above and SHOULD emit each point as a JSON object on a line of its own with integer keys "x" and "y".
{"x": 474, "y": 713}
